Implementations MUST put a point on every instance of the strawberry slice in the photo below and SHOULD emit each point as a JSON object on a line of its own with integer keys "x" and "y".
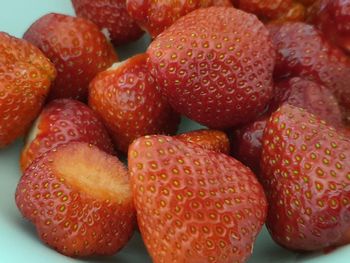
{"x": 111, "y": 17}
{"x": 63, "y": 121}
{"x": 333, "y": 18}
{"x": 215, "y": 66}
{"x": 193, "y": 203}
{"x": 126, "y": 97}
{"x": 303, "y": 51}
{"x": 79, "y": 199}
{"x": 306, "y": 174}
{"x": 76, "y": 47}
{"x": 212, "y": 140}
{"x": 297, "y": 92}
{"x": 156, "y": 16}
{"x": 25, "y": 78}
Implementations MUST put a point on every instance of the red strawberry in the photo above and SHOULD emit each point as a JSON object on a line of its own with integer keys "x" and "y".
{"x": 76, "y": 47}
{"x": 306, "y": 174}
{"x": 156, "y": 16}
{"x": 302, "y": 50}
{"x": 215, "y": 66}
{"x": 79, "y": 199}
{"x": 212, "y": 140}
{"x": 25, "y": 77}
{"x": 111, "y": 17}
{"x": 333, "y": 18}
{"x": 64, "y": 121}
{"x": 297, "y": 92}
{"x": 194, "y": 205}
{"x": 127, "y": 98}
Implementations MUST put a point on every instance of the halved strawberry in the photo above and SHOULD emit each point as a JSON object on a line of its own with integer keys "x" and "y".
{"x": 156, "y": 16}
{"x": 79, "y": 199}
{"x": 215, "y": 66}
{"x": 303, "y": 51}
{"x": 25, "y": 78}
{"x": 111, "y": 17}
{"x": 127, "y": 98}
{"x": 298, "y": 92}
{"x": 63, "y": 121}
{"x": 212, "y": 140}
{"x": 306, "y": 174}
{"x": 194, "y": 205}
{"x": 76, "y": 47}
{"x": 333, "y": 18}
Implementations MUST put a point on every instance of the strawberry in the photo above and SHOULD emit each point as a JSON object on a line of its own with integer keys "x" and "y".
{"x": 297, "y": 92}
{"x": 126, "y": 97}
{"x": 79, "y": 199}
{"x": 212, "y": 140}
{"x": 111, "y": 17}
{"x": 63, "y": 121}
{"x": 25, "y": 78}
{"x": 156, "y": 16}
{"x": 306, "y": 174}
{"x": 333, "y": 18}
{"x": 76, "y": 47}
{"x": 303, "y": 51}
{"x": 192, "y": 204}
{"x": 215, "y": 66}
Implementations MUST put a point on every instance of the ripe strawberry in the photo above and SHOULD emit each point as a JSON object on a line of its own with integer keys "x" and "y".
{"x": 302, "y": 50}
{"x": 25, "y": 77}
{"x": 111, "y": 17}
{"x": 127, "y": 98}
{"x": 297, "y": 92}
{"x": 215, "y": 66}
{"x": 79, "y": 199}
{"x": 212, "y": 140}
{"x": 76, "y": 47}
{"x": 63, "y": 121}
{"x": 156, "y": 16}
{"x": 306, "y": 173}
{"x": 194, "y": 205}
{"x": 333, "y": 18}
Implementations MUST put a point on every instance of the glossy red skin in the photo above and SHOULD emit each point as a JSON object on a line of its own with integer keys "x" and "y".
{"x": 315, "y": 98}
{"x": 25, "y": 78}
{"x": 110, "y": 15}
{"x": 63, "y": 121}
{"x": 333, "y": 18}
{"x": 156, "y": 16}
{"x": 130, "y": 104}
{"x": 211, "y": 70}
{"x": 68, "y": 219}
{"x": 194, "y": 205}
{"x": 76, "y": 47}
{"x": 305, "y": 173}
{"x": 303, "y": 51}
{"x": 212, "y": 140}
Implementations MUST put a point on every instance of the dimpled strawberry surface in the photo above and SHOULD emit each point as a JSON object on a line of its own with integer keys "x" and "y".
{"x": 218, "y": 134}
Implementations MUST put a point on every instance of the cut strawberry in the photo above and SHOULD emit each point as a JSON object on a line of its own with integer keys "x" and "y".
{"x": 303, "y": 51}
{"x": 156, "y": 16}
{"x": 306, "y": 173}
{"x": 193, "y": 203}
{"x": 63, "y": 121}
{"x": 111, "y": 17}
{"x": 127, "y": 98}
{"x": 212, "y": 140}
{"x": 215, "y": 66}
{"x": 76, "y": 47}
{"x": 25, "y": 78}
{"x": 79, "y": 199}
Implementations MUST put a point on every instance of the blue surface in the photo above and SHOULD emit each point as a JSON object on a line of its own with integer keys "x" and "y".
{"x": 18, "y": 240}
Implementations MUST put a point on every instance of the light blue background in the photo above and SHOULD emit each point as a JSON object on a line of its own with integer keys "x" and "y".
{"x": 18, "y": 241}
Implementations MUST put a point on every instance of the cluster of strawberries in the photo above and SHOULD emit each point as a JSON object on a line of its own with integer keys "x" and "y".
{"x": 273, "y": 75}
